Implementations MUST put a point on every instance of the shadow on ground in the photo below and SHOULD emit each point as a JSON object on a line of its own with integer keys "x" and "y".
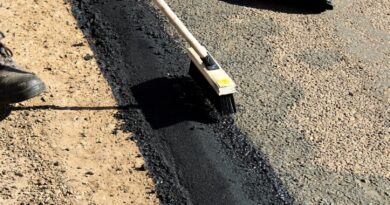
{"x": 171, "y": 101}
{"x": 5, "y": 110}
{"x": 193, "y": 155}
{"x": 285, "y": 6}
{"x": 56, "y": 107}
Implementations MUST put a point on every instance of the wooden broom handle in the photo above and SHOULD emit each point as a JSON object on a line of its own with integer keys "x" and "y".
{"x": 181, "y": 28}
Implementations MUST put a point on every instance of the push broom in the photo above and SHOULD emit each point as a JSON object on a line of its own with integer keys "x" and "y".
{"x": 204, "y": 68}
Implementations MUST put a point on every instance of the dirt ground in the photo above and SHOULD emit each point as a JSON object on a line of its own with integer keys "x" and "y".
{"x": 64, "y": 147}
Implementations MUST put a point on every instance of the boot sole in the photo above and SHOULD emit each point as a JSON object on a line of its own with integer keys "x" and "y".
{"x": 26, "y": 94}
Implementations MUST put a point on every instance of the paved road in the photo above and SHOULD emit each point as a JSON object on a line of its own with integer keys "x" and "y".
{"x": 194, "y": 156}
{"x": 313, "y": 98}
{"x": 313, "y": 90}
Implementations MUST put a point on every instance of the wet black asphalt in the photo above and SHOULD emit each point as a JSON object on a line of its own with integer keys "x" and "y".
{"x": 194, "y": 155}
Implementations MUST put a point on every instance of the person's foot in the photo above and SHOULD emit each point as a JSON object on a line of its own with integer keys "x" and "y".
{"x": 16, "y": 85}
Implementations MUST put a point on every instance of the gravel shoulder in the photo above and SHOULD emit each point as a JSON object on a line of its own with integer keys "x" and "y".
{"x": 64, "y": 147}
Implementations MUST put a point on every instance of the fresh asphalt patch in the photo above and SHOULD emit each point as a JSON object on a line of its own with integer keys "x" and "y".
{"x": 194, "y": 155}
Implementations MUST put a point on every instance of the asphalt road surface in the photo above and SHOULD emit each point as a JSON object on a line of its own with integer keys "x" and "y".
{"x": 313, "y": 90}
{"x": 313, "y": 104}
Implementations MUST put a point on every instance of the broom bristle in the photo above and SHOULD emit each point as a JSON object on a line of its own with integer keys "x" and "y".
{"x": 224, "y": 104}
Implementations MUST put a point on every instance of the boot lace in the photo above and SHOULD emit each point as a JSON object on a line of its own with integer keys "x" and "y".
{"x": 4, "y": 50}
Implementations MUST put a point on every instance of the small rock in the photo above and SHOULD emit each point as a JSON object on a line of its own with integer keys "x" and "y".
{"x": 152, "y": 191}
{"x": 19, "y": 174}
{"x": 38, "y": 120}
{"x": 140, "y": 168}
{"x": 89, "y": 173}
{"x": 88, "y": 57}
{"x": 78, "y": 45}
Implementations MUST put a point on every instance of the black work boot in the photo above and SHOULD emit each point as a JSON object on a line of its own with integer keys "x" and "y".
{"x": 16, "y": 84}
